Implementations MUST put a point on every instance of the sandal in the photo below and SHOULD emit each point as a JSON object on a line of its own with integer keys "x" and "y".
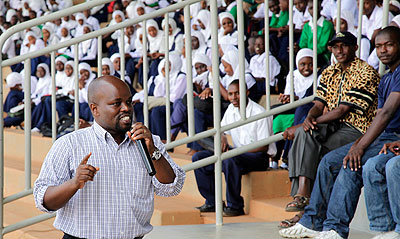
{"x": 291, "y": 222}
{"x": 298, "y": 204}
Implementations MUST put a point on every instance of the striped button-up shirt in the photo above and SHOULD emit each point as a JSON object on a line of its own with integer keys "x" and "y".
{"x": 119, "y": 202}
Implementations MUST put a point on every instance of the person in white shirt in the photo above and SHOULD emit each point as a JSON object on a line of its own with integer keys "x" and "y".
{"x": 92, "y": 21}
{"x": 233, "y": 168}
{"x": 66, "y": 86}
{"x": 88, "y": 48}
{"x": 372, "y": 19}
{"x": 227, "y": 32}
{"x": 258, "y": 68}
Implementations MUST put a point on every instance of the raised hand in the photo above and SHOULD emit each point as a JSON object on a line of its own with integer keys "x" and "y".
{"x": 85, "y": 172}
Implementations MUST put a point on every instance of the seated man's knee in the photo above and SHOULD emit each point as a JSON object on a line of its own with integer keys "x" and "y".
{"x": 393, "y": 166}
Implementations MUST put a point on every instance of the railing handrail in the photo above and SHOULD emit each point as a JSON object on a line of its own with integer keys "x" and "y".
{"x": 84, "y": 37}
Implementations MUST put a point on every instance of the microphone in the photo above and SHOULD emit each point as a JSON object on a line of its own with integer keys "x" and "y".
{"x": 144, "y": 152}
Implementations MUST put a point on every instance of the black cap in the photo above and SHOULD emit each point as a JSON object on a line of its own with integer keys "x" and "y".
{"x": 345, "y": 37}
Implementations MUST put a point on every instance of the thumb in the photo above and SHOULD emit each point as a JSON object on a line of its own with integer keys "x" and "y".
{"x": 86, "y": 158}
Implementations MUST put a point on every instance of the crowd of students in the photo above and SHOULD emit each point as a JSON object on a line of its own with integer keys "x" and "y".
{"x": 13, "y": 12}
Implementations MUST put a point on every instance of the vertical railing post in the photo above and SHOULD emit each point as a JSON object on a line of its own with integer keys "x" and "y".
{"x": 28, "y": 122}
{"x": 76, "y": 92}
{"x": 217, "y": 113}
{"x": 338, "y": 12}
{"x": 242, "y": 77}
{"x": 145, "y": 77}
{"x": 359, "y": 28}
{"x": 53, "y": 97}
{"x": 121, "y": 47}
{"x": 167, "y": 80}
{"x": 99, "y": 55}
{"x": 385, "y": 22}
{"x": 267, "y": 54}
{"x": 315, "y": 36}
{"x": 291, "y": 51}
{"x": 189, "y": 76}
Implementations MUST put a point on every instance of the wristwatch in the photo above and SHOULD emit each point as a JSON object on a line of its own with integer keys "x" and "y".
{"x": 156, "y": 154}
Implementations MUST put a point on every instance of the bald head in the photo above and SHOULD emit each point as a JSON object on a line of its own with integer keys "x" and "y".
{"x": 102, "y": 85}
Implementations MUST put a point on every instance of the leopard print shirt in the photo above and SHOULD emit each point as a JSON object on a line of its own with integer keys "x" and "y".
{"x": 356, "y": 87}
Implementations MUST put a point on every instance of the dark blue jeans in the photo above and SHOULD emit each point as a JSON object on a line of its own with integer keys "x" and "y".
{"x": 336, "y": 190}
{"x": 381, "y": 175}
{"x": 233, "y": 169}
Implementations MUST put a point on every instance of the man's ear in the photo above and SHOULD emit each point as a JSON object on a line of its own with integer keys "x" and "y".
{"x": 94, "y": 109}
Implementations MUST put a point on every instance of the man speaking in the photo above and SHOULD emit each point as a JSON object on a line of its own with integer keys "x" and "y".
{"x": 96, "y": 179}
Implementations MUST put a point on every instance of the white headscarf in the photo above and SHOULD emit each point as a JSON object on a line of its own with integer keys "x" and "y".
{"x": 131, "y": 10}
{"x": 202, "y": 58}
{"x": 138, "y": 43}
{"x": 172, "y": 24}
{"x": 109, "y": 63}
{"x": 205, "y": 17}
{"x": 224, "y": 15}
{"x": 115, "y": 56}
{"x": 13, "y": 79}
{"x": 349, "y": 18}
{"x": 61, "y": 59}
{"x": 43, "y": 86}
{"x": 154, "y": 42}
{"x": 202, "y": 43}
{"x": 232, "y": 58}
{"x": 301, "y": 83}
{"x": 118, "y": 12}
{"x": 139, "y": 5}
{"x": 304, "y": 52}
{"x": 10, "y": 13}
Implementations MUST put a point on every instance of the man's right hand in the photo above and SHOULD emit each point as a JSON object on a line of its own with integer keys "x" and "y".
{"x": 309, "y": 123}
{"x": 393, "y": 147}
{"x": 85, "y": 172}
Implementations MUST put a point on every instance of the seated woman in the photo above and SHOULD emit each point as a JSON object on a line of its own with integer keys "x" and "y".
{"x": 88, "y": 48}
{"x": 43, "y": 90}
{"x": 32, "y": 43}
{"x": 154, "y": 36}
{"x": 65, "y": 91}
{"x": 227, "y": 32}
{"x": 116, "y": 60}
{"x": 14, "y": 97}
{"x": 202, "y": 23}
{"x": 177, "y": 81}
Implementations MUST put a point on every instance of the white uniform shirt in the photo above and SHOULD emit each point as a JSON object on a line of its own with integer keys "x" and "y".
{"x": 258, "y": 70}
{"x": 369, "y": 25}
{"x": 251, "y": 132}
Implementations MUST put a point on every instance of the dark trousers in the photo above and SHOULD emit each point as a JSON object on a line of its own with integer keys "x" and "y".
{"x": 233, "y": 169}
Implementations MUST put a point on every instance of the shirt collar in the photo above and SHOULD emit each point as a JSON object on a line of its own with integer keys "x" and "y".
{"x": 103, "y": 134}
{"x": 320, "y": 22}
{"x": 353, "y": 65}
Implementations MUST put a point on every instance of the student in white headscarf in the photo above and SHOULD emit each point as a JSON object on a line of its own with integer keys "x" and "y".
{"x": 66, "y": 86}
{"x": 227, "y": 32}
{"x": 65, "y": 36}
{"x": 86, "y": 76}
{"x": 302, "y": 77}
{"x": 70, "y": 23}
{"x": 202, "y": 23}
{"x": 49, "y": 37}
{"x": 230, "y": 61}
{"x": 116, "y": 60}
{"x": 199, "y": 46}
{"x": 154, "y": 37}
{"x": 14, "y": 98}
{"x": 107, "y": 67}
{"x": 80, "y": 18}
{"x": 32, "y": 43}
{"x": 258, "y": 67}
{"x": 88, "y": 48}
{"x": 175, "y": 38}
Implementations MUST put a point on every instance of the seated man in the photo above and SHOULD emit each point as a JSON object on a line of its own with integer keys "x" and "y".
{"x": 336, "y": 191}
{"x": 235, "y": 167}
{"x": 347, "y": 92}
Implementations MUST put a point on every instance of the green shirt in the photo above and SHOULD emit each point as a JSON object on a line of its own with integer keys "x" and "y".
{"x": 280, "y": 21}
{"x": 324, "y": 34}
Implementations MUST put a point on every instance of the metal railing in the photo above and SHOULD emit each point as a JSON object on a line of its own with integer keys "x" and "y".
{"x": 216, "y": 131}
